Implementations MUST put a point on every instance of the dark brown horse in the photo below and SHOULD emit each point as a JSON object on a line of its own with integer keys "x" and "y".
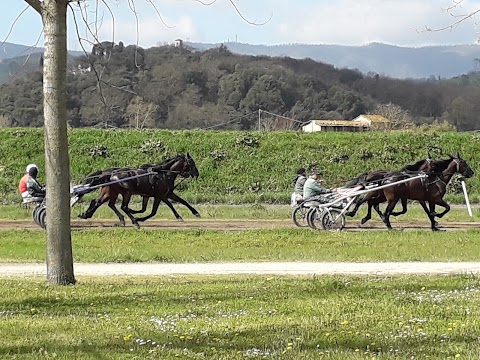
{"x": 159, "y": 184}
{"x": 430, "y": 190}
{"x": 375, "y": 198}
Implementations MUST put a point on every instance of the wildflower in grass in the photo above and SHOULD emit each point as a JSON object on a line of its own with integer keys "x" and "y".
{"x": 344, "y": 322}
{"x": 457, "y": 355}
{"x": 127, "y": 337}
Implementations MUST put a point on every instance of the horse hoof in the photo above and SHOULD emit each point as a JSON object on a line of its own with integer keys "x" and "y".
{"x": 197, "y": 215}
{"x": 82, "y": 216}
{"x": 180, "y": 219}
{"x": 349, "y": 213}
{"x": 437, "y": 229}
{"x": 137, "y": 226}
{"x": 364, "y": 221}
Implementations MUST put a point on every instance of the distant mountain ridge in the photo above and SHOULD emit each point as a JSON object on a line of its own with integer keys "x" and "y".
{"x": 445, "y": 61}
{"x": 10, "y": 51}
{"x": 394, "y": 61}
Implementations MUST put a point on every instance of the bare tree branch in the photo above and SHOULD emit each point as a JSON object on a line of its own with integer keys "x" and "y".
{"x": 13, "y": 25}
{"x": 245, "y": 19}
{"x": 206, "y": 4}
{"x": 460, "y": 17}
{"x": 26, "y": 49}
{"x": 160, "y": 16}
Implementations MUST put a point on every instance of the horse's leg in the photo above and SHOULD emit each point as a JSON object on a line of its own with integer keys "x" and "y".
{"x": 125, "y": 201}
{"x": 90, "y": 210}
{"x": 427, "y": 210}
{"x": 156, "y": 204}
{"x": 404, "y": 208}
{"x": 373, "y": 200}
{"x": 170, "y": 205}
{"x": 444, "y": 204}
{"x": 388, "y": 212}
{"x": 111, "y": 205}
{"x": 369, "y": 212}
{"x": 431, "y": 216}
{"x": 177, "y": 198}
{"x": 379, "y": 212}
{"x": 95, "y": 204}
{"x": 144, "y": 206}
{"x": 357, "y": 206}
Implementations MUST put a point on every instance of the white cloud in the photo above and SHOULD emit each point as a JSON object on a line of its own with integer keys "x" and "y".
{"x": 347, "y": 22}
{"x": 354, "y": 22}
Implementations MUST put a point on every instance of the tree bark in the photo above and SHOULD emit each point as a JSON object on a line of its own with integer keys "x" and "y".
{"x": 57, "y": 163}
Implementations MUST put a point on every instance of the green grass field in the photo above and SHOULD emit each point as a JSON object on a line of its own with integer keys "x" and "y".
{"x": 130, "y": 245}
{"x": 242, "y": 318}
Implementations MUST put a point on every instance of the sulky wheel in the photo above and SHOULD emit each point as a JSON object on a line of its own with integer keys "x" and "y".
{"x": 299, "y": 216}
{"x": 42, "y": 217}
{"x": 314, "y": 218}
{"x": 35, "y": 214}
{"x": 333, "y": 219}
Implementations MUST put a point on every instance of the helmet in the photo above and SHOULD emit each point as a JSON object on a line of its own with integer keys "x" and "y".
{"x": 30, "y": 166}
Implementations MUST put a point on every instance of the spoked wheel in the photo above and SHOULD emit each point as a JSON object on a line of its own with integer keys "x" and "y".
{"x": 40, "y": 216}
{"x": 299, "y": 216}
{"x": 333, "y": 220}
{"x": 35, "y": 215}
{"x": 314, "y": 218}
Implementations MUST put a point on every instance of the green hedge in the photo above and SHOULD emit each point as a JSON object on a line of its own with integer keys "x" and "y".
{"x": 238, "y": 167}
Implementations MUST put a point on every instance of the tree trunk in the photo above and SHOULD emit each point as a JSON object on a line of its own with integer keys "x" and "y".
{"x": 57, "y": 164}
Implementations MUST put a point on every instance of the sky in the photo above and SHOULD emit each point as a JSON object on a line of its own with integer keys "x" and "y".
{"x": 342, "y": 22}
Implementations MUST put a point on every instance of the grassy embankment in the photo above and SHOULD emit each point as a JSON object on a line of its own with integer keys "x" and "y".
{"x": 238, "y": 167}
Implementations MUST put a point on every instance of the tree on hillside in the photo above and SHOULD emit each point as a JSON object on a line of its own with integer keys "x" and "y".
{"x": 398, "y": 118}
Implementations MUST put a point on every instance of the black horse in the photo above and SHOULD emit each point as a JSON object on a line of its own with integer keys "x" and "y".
{"x": 159, "y": 184}
{"x": 375, "y": 198}
{"x": 429, "y": 191}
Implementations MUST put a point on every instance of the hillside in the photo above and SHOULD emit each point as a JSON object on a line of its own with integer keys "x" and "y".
{"x": 17, "y": 61}
{"x": 174, "y": 88}
{"x": 387, "y": 60}
{"x": 238, "y": 167}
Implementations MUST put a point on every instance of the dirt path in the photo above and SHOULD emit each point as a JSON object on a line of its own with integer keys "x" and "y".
{"x": 352, "y": 225}
{"x": 265, "y": 268}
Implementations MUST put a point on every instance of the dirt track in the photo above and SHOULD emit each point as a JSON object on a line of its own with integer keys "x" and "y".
{"x": 208, "y": 224}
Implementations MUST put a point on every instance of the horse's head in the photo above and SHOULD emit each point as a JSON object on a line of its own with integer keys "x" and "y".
{"x": 459, "y": 165}
{"x": 185, "y": 166}
{"x": 190, "y": 168}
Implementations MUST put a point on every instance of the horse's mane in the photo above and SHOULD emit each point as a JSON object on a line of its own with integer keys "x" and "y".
{"x": 415, "y": 166}
{"x": 439, "y": 166}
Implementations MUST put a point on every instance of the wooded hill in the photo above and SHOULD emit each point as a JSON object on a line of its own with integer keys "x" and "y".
{"x": 178, "y": 88}
{"x": 237, "y": 166}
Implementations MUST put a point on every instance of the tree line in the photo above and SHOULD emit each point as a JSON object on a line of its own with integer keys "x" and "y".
{"x": 180, "y": 88}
